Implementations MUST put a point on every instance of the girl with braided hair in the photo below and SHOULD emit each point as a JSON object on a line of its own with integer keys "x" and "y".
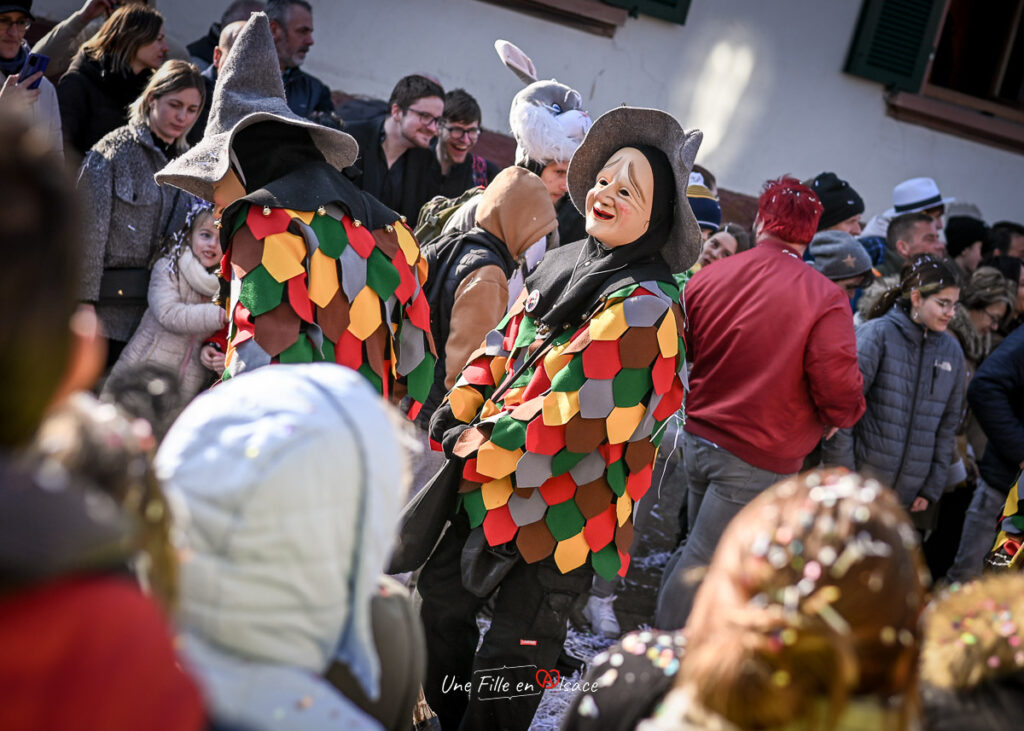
{"x": 913, "y": 373}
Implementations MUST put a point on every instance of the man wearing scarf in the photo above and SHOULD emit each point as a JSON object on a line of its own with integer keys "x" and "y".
{"x": 553, "y": 425}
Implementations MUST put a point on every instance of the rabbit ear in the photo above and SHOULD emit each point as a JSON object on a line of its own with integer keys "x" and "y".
{"x": 688, "y": 151}
{"x": 517, "y": 61}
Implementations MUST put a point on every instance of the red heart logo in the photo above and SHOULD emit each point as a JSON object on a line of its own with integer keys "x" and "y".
{"x": 548, "y": 678}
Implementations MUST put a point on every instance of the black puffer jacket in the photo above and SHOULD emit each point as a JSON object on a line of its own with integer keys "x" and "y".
{"x": 305, "y": 93}
{"x": 913, "y": 385}
{"x": 94, "y": 101}
{"x": 452, "y": 259}
{"x": 996, "y": 396}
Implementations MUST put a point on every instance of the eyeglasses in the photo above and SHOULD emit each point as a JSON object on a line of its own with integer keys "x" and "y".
{"x": 994, "y": 318}
{"x": 457, "y": 133}
{"x": 947, "y": 305}
{"x": 936, "y": 211}
{"x": 21, "y": 24}
{"x": 426, "y": 118}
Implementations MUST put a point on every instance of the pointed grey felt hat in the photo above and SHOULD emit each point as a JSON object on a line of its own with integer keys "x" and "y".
{"x": 249, "y": 90}
{"x": 626, "y": 126}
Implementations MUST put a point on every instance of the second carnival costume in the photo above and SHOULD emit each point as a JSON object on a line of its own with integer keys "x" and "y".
{"x": 314, "y": 268}
{"x": 565, "y": 399}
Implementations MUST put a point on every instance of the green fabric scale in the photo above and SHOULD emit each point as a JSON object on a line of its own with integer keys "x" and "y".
{"x": 301, "y": 351}
{"x": 509, "y": 433}
{"x": 564, "y": 461}
{"x": 616, "y": 477}
{"x": 571, "y": 377}
{"x": 381, "y": 275}
{"x": 630, "y": 385}
{"x": 331, "y": 235}
{"x": 260, "y": 292}
{"x": 564, "y": 520}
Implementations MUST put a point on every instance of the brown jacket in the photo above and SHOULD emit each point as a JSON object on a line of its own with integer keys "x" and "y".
{"x": 517, "y": 209}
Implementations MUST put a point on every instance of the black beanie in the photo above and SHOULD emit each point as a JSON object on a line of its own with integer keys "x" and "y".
{"x": 961, "y": 232}
{"x": 839, "y": 199}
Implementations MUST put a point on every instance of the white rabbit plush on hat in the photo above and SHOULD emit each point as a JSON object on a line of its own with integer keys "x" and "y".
{"x": 547, "y": 118}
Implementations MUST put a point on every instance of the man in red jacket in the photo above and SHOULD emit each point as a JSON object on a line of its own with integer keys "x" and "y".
{"x": 774, "y": 368}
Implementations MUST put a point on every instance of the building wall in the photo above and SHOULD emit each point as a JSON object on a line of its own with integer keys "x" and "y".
{"x": 762, "y": 79}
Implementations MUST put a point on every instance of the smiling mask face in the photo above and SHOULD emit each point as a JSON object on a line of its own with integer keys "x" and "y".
{"x": 619, "y": 204}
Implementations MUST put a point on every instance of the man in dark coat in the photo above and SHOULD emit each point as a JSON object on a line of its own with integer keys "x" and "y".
{"x": 291, "y": 22}
{"x": 395, "y": 163}
{"x": 202, "y": 49}
{"x": 996, "y": 396}
{"x": 227, "y": 39}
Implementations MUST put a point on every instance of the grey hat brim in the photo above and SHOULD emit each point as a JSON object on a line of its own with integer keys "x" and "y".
{"x": 249, "y": 90}
{"x": 197, "y": 170}
{"x": 626, "y": 126}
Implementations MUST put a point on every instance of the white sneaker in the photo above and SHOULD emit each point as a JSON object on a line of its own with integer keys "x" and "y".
{"x": 601, "y": 615}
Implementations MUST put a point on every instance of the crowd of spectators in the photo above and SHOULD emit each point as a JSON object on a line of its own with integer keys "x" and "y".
{"x": 208, "y": 545}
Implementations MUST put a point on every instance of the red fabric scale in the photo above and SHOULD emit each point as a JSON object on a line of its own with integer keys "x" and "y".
{"x": 419, "y": 313}
{"x": 511, "y": 332}
{"x": 298, "y": 297}
{"x": 469, "y": 472}
{"x": 499, "y": 527}
{"x": 601, "y": 359}
{"x": 359, "y": 238}
{"x": 671, "y": 402}
{"x": 558, "y": 489}
{"x": 538, "y": 385}
{"x": 638, "y": 483}
{"x": 407, "y": 284}
{"x": 349, "y": 351}
{"x": 542, "y": 439}
{"x": 479, "y": 372}
{"x": 600, "y": 530}
{"x": 611, "y": 452}
{"x": 662, "y": 374}
{"x": 264, "y": 226}
{"x": 624, "y": 557}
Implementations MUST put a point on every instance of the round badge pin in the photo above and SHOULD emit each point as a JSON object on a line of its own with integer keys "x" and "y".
{"x": 532, "y": 300}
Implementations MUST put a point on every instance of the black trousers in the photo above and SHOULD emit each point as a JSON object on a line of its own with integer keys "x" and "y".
{"x": 499, "y": 685}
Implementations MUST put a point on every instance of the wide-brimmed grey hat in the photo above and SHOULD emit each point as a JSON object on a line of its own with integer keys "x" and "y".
{"x": 625, "y": 126}
{"x": 249, "y": 90}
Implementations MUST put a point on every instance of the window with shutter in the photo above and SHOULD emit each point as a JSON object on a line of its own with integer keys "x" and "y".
{"x": 894, "y": 41}
{"x": 952, "y": 65}
{"x": 671, "y": 10}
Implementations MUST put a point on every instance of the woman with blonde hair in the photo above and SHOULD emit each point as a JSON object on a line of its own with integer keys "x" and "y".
{"x": 108, "y": 73}
{"x": 807, "y": 619}
{"x": 127, "y": 215}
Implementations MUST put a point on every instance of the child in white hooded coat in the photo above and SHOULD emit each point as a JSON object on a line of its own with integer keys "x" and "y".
{"x": 181, "y": 313}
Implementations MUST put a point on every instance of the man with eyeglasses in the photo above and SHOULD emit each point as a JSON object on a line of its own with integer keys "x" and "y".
{"x": 460, "y": 169}
{"x": 395, "y": 163}
{"x": 39, "y": 103}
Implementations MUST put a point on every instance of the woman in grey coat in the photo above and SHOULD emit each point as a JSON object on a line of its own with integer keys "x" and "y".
{"x": 127, "y": 215}
{"x": 913, "y": 373}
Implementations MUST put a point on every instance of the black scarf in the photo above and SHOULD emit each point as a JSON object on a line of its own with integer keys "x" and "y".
{"x": 14, "y": 65}
{"x": 570, "y": 279}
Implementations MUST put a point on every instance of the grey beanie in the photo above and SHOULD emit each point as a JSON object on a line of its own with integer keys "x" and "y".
{"x": 838, "y": 255}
